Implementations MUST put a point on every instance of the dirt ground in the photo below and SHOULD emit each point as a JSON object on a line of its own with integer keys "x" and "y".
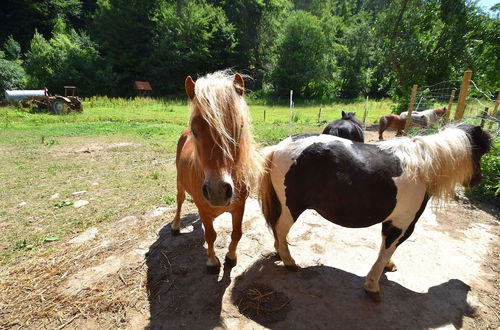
{"x": 133, "y": 274}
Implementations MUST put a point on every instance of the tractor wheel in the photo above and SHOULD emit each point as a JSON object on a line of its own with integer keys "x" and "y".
{"x": 59, "y": 107}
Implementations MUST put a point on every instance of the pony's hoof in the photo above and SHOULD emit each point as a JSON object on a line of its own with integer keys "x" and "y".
{"x": 375, "y": 296}
{"x": 292, "y": 268}
{"x": 390, "y": 267}
{"x": 228, "y": 262}
{"x": 213, "y": 270}
{"x": 175, "y": 232}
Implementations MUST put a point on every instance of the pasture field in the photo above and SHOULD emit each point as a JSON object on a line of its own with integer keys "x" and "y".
{"x": 111, "y": 169}
{"x": 119, "y": 152}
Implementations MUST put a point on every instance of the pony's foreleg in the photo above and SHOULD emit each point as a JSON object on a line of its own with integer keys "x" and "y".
{"x": 176, "y": 225}
{"x": 213, "y": 263}
{"x": 237, "y": 217}
{"x": 282, "y": 228}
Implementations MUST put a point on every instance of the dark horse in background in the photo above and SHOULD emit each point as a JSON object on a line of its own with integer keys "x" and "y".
{"x": 348, "y": 127}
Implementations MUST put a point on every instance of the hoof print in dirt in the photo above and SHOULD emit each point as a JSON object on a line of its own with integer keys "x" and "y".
{"x": 263, "y": 304}
{"x": 228, "y": 262}
{"x": 175, "y": 232}
{"x": 375, "y": 296}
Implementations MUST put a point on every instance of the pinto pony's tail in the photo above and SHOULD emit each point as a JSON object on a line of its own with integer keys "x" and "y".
{"x": 269, "y": 202}
{"x": 382, "y": 126}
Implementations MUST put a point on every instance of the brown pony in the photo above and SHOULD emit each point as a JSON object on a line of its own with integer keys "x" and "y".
{"x": 396, "y": 122}
{"x": 217, "y": 162}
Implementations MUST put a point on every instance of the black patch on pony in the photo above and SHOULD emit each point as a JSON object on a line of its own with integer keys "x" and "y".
{"x": 390, "y": 232}
{"x": 348, "y": 127}
{"x": 411, "y": 227}
{"x": 349, "y": 185}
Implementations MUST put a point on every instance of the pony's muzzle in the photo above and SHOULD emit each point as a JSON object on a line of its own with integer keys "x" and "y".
{"x": 218, "y": 193}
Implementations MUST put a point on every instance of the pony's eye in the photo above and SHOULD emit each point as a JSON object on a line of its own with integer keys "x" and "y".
{"x": 194, "y": 133}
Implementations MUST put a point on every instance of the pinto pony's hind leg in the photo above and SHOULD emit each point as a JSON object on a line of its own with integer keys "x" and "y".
{"x": 176, "y": 225}
{"x": 282, "y": 228}
{"x": 237, "y": 217}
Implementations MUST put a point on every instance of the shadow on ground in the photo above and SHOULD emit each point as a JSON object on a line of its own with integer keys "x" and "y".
{"x": 322, "y": 297}
{"x": 181, "y": 293}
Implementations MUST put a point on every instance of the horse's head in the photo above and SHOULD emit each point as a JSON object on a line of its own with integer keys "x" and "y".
{"x": 440, "y": 111}
{"x": 480, "y": 144}
{"x": 352, "y": 117}
{"x": 216, "y": 126}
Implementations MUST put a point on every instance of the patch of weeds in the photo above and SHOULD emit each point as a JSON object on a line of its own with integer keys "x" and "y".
{"x": 22, "y": 245}
{"x": 146, "y": 135}
{"x": 50, "y": 239}
{"x": 155, "y": 175}
{"x": 169, "y": 199}
{"x": 49, "y": 142}
{"x": 62, "y": 204}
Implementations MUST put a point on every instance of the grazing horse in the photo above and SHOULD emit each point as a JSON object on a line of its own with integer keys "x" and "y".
{"x": 358, "y": 185}
{"x": 217, "y": 161}
{"x": 348, "y": 127}
{"x": 396, "y": 122}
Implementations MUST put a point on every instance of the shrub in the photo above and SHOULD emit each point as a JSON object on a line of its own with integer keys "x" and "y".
{"x": 490, "y": 185}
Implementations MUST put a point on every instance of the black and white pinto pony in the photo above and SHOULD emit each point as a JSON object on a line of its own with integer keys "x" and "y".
{"x": 348, "y": 127}
{"x": 358, "y": 185}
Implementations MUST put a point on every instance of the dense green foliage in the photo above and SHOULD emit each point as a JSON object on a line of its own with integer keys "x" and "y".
{"x": 490, "y": 185}
{"x": 319, "y": 48}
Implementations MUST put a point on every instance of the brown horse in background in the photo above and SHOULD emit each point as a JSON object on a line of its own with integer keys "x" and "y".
{"x": 396, "y": 122}
{"x": 217, "y": 162}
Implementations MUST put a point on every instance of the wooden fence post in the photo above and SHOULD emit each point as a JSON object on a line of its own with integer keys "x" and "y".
{"x": 366, "y": 113}
{"x": 319, "y": 115}
{"x": 462, "y": 97}
{"x": 410, "y": 108}
{"x": 450, "y": 103}
{"x": 484, "y": 114}
{"x": 495, "y": 110}
{"x": 264, "y": 115}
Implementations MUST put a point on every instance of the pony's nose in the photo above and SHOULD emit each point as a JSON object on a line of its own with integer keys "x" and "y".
{"x": 228, "y": 190}
{"x": 218, "y": 193}
{"x": 204, "y": 189}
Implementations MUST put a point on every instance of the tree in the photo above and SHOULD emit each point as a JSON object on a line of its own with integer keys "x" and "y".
{"x": 301, "y": 64}
{"x": 257, "y": 27}
{"x": 188, "y": 39}
{"x": 123, "y": 29}
{"x": 12, "y": 74}
{"x": 67, "y": 59}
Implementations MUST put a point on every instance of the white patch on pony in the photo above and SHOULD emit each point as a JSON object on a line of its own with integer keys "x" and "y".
{"x": 408, "y": 201}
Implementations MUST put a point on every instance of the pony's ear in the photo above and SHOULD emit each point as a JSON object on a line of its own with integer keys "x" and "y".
{"x": 343, "y": 114}
{"x": 189, "y": 85}
{"x": 239, "y": 84}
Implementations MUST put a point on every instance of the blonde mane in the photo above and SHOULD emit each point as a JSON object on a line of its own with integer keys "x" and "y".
{"x": 226, "y": 112}
{"x": 441, "y": 160}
